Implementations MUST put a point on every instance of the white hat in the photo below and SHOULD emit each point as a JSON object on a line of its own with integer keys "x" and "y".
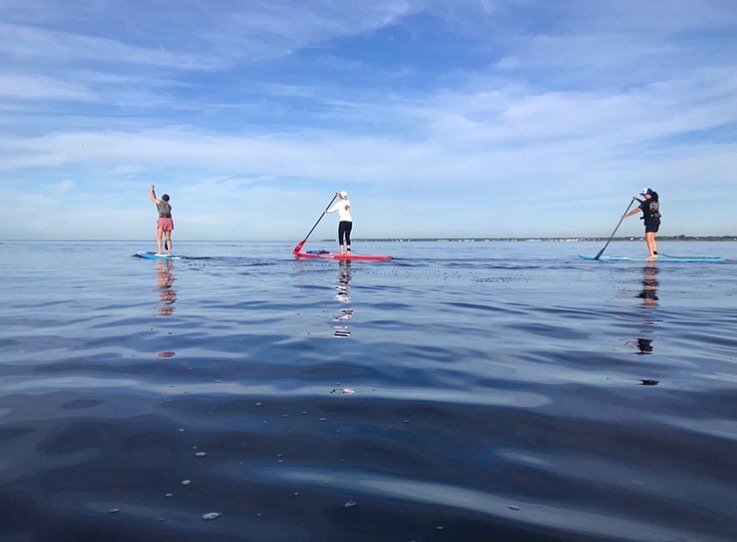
{"x": 343, "y": 194}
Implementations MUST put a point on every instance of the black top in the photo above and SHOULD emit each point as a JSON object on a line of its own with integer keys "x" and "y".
{"x": 650, "y": 209}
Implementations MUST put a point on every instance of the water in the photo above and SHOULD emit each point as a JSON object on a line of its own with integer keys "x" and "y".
{"x": 464, "y": 392}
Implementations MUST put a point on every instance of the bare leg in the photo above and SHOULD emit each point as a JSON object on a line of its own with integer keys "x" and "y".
{"x": 655, "y": 246}
{"x": 159, "y": 234}
{"x": 341, "y": 249}
{"x": 651, "y": 246}
{"x": 168, "y": 242}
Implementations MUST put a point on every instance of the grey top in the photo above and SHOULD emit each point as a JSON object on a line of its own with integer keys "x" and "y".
{"x": 164, "y": 209}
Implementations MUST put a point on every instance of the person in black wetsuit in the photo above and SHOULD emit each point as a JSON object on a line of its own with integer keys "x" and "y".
{"x": 650, "y": 207}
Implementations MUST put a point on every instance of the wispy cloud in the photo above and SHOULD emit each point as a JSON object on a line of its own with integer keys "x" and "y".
{"x": 28, "y": 42}
{"x": 22, "y": 87}
{"x": 527, "y": 106}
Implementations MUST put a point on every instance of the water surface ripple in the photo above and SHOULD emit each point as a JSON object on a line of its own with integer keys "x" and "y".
{"x": 463, "y": 391}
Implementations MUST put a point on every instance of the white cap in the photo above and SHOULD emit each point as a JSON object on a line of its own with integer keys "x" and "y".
{"x": 343, "y": 194}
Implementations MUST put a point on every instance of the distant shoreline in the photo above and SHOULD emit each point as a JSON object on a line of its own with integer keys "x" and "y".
{"x": 579, "y": 239}
{"x": 532, "y": 239}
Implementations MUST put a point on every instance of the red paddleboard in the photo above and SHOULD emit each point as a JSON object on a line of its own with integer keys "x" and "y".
{"x": 352, "y": 257}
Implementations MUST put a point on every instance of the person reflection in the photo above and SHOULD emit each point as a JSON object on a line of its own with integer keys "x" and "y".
{"x": 649, "y": 293}
{"x": 165, "y": 283}
{"x": 342, "y": 295}
{"x": 649, "y": 296}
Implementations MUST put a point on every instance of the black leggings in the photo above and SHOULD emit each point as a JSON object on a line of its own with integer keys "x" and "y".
{"x": 344, "y": 231}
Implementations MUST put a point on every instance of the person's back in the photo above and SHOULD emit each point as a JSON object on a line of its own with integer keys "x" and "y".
{"x": 345, "y": 220}
{"x": 165, "y": 223}
{"x": 164, "y": 207}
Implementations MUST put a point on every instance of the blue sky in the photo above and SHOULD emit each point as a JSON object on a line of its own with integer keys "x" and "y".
{"x": 477, "y": 118}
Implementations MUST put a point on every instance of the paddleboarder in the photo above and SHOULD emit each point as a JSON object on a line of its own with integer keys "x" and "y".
{"x": 165, "y": 224}
{"x": 650, "y": 208}
{"x": 345, "y": 221}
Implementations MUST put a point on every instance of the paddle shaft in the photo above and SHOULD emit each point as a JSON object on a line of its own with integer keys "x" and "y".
{"x": 299, "y": 246}
{"x": 615, "y": 230}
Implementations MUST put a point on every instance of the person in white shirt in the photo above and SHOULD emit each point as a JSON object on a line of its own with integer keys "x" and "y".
{"x": 345, "y": 221}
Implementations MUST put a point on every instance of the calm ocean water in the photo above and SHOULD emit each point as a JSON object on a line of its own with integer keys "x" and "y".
{"x": 462, "y": 392}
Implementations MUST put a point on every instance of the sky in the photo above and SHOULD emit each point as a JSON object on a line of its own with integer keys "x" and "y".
{"x": 483, "y": 118}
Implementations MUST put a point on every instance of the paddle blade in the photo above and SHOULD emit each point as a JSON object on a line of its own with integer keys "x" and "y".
{"x": 299, "y": 246}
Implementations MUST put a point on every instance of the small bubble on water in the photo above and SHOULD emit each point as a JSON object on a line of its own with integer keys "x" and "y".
{"x": 200, "y": 454}
{"x": 439, "y": 528}
{"x": 259, "y": 404}
{"x": 168, "y": 495}
{"x": 323, "y": 419}
{"x": 210, "y": 516}
{"x": 296, "y": 493}
{"x": 186, "y": 482}
{"x": 350, "y": 504}
{"x": 405, "y": 421}
{"x": 114, "y": 510}
{"x": 513, "y": 507}
{"x": 181, "y": 430}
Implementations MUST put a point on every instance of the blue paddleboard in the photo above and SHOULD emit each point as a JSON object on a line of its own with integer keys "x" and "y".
{"x": 154, "y": 256}
{"x": 683, "y": 259}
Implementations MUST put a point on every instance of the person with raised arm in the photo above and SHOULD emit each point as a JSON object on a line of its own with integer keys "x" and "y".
{"x": 165, "y": 224}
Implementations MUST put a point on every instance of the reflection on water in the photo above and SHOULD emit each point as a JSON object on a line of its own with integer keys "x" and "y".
{"x": 165, "y": 285}
{"x": 342, "y": 295}
{"x": 649, "y": 296}
{"x": 479, "y": 396}
{"x": 649, "y": 293}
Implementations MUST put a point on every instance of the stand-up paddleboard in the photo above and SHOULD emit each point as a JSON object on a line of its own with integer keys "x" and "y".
{"x": 334, "y": 256}
{"x": 683, "y": 259}
{"x": 154, "y": 256}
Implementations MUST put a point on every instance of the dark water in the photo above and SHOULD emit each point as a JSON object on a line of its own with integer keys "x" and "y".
{"x": 501, "y": 392}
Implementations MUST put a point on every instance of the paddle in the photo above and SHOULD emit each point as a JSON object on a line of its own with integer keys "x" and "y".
{"x": 615, "y": 229}
{"x": 301, "y": 243}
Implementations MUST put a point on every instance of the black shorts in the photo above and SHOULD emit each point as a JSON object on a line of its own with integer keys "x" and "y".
{"x": 652, "y": 226}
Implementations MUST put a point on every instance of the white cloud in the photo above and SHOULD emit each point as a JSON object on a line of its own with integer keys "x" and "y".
{"x": 39, "y": 88}
{"x": 564, "y": 106}
{"x": 32, "y": 42}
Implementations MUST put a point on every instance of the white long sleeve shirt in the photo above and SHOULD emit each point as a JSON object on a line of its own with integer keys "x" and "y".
{"x": 344, "y": 210}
